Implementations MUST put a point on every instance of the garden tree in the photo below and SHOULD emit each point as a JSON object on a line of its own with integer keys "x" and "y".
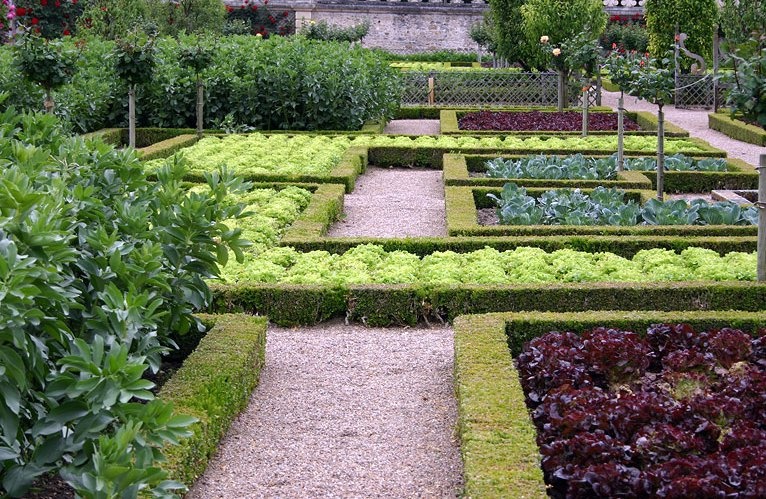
{"x": 748, "y": 93}
{"x": 45, "y": 62}
{"x": 560, "y": 21}
{"x": 98, "y": 267}
{"x": 620, "y": 68}
{"x": 197, "y": 55}
{"x": 187, "y": 16}
{"x": 134, "y": 63}
{"x": 112, "y": 19}
{"x": 48, "y": 18}
{"x": 653, "y": 81}
{"x": 578, "y": 56}
{"x": 484, "y": 34}
{"x": 509, "y": 38}
{"x": 741, "y": 21}
{"x": 696, "y": 18}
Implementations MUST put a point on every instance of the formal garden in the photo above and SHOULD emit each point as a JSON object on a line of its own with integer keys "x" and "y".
{"x": 175, "y": 173}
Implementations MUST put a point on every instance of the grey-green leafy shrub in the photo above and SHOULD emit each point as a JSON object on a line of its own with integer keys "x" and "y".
{"x": 98, "y": 267}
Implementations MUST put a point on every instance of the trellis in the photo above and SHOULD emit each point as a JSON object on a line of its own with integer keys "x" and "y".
{"x": 484, "y": 88}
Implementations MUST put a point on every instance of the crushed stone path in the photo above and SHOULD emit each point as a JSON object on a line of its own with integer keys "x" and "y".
{"x": 413, "y": 127}
{"x": 394, "y": 202}
{"x": 695, "y": 122}
{"x": 345, "y": 411}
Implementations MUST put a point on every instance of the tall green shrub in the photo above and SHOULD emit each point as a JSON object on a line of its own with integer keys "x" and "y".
{"x": 98, "y": 266}
{"x": 511, "y": 42}
{"x": 740, "y": 20}
{"x": 696, "y": 18}
{"x": 112, "y": 19}
{"x": 187, "y": 16}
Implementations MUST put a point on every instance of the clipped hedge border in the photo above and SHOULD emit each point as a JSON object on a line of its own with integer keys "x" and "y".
{"x": 449, "y": 125}
{"x": 457, "y": 173}
{"x": 325, "y": 206}
{"x": 626, "y": 246}
{"x": 462, "y": 204}
{"x": 145, "y": 136}
{"x": 166, "y": 148}
{"x": 740, "y": 175}
{"x": 737, "y": 129}
{"x": 500, "y": 456}
{"x": 352, "y": 164}
{"x": 214, "y": 385}
{"x": 497, "y": 437}
{"x": 384, "y": 305}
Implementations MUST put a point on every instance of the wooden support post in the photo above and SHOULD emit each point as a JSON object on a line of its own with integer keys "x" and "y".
{"x": 621, "y": 133}
{"x": 761, "y": 204}
{"x": 132, "y": 116}
{"x": 200, "y": 106}
{"x": 585, "y": 105}
{"x": 660, "y": 153}
{"x": 431, "y": 96}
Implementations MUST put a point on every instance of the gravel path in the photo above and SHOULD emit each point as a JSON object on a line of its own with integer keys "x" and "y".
{"x": 397, "y": 202}
{"x": 345, "y": 411}
{"x": 413, "y": 127}
{"x": 695, "y": 122}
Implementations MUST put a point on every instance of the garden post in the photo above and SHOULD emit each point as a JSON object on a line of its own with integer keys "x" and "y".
{"x": 660, "y": 153}
{"x": 200, "y": 106}
{"x": 585, "y": 105}
{"x": 761, "y": 204}
{"x": 132, "y": 116}
{"x": 561, "y": 91}
{"x": 431, "y": 98}
{"x": 621, "y": 133}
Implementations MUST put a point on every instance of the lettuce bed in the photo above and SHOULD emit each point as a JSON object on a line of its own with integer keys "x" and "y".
{"x": 371, "y": 264}
{"x": 675, "y": 413}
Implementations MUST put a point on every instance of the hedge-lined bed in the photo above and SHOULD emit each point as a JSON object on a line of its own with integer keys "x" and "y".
{"x": 462, "y": 204}
{"x": 402, "y": 304}
{"x": 497, "y": 435}
{"x": 449, "y": 124}
{"x": 737, "y": 129}
{"x": 214, "y": 385}
{"x": 433, "y": 112}
{"x": 739, "y": 175}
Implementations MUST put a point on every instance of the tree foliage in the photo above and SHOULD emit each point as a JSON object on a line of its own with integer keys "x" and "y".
{"x": 511, "y": 42}
{"x": 742, "y": 21}
{"x": 696, "y": 18}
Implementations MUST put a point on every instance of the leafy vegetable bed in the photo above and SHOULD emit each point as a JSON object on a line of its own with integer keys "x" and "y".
{"x": 603, "y": 206}
{"x": 675, "y": 414}
{"x": 566, "y": 121}
{"x": 256, "y": 154}
{"x": 370, "y": 264}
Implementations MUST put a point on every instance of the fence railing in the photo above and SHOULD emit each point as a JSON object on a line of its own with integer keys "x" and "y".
{"x": 698, "y": 91}
{"x": 485, "y": 88}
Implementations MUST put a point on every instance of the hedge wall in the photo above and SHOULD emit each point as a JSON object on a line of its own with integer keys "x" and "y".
{"x": 449, "y": 125}
{"x": 462, "y": 204}
{"x": 383, "y": 305}
{"x": 433, "y": 112}
{"x": 737, "y": 129}
{"x": 214, "y": 385}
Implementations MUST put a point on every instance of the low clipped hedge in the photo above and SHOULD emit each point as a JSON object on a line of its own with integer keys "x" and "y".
{"x": 458, "y": 167}
{"x": 383, "y": 305}
{"x": 145, "y": 137}
{"x": 325, "y": 207}
{"x": 497, "y": 437}
{"x": 214, "y": 385}
{"x": 462, "y": 204}
{"x": 500, "y": 456}
{"x": 449, "y": 124}
{"x": 167, "y": 147}
{"x": 433, "y": 112}
{"x": 737, "y": 129}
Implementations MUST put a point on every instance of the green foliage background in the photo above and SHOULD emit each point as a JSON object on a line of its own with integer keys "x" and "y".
{"x": 696, "y": 18}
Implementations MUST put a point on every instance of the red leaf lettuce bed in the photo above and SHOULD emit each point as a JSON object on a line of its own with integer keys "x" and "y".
{"x": 567, "y": 121}
{"x": 675, "y": 414}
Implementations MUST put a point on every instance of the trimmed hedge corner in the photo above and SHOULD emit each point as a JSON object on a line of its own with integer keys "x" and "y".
{"x": 737, "y": 129}
{"x": 166, "y": 148}
{"x": 214, "y": 385}
{"x": 325, "y": 207}
{"x": 500, "y": 456}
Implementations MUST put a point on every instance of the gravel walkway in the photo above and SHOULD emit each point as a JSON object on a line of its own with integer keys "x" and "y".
{"x": 413, "y": 127}
{"x": 695, "y": 122}
{"x": 396, "y": 202}
{"x": 345, "y": 411}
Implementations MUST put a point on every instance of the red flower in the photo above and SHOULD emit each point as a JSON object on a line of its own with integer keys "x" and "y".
{"x": 21, "y": 11}
{"x": 74, "y": 2}
{"x": 265, "y": 2}
{"x": 228, "y": 8}
{"x": 285, "y": 14}
{"x": 66, "y": 32}
{"x": 272, "y": 20}
{"x": 35, "y": 21}
{"x": 103, "y": 9}
{"x": 255, "y": 7}
{"x": 43, "y": 2}
{"x": 57, "y": 3}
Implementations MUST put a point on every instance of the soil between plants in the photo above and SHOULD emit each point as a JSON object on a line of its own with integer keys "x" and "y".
{"x": 567, "y": 121}
{"x": 345, "y": 411}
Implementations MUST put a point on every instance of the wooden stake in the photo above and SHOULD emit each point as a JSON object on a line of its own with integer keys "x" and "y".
{"x": 621, "y": 133}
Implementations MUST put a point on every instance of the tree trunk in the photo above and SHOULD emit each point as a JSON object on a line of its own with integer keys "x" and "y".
{"x": 48, "y": 102}
{"x": 561, "y": 91}
{"x": 200, "y": 106}
{"x": 585, "y": 105}
{"x": 132, "y": 116}
{"x": 621, "y": 133}
{"x": 660, "y": 153}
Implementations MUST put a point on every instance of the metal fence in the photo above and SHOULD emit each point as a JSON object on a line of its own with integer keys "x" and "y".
{"x": 485, "y": 88}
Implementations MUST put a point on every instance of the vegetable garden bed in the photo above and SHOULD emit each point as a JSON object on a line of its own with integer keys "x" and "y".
{"x": 737, "y": 129}
{"x": 550, "y": 122}
{"x": 463, "y": 205}
{"x": 497, "y": 434}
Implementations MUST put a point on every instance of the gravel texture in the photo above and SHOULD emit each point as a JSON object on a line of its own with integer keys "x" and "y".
{"x": 695, "y": 122}
{"x": 413, "y": 127}
{"x": 396, "y": 202}
{"x": 345, "y": 411}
